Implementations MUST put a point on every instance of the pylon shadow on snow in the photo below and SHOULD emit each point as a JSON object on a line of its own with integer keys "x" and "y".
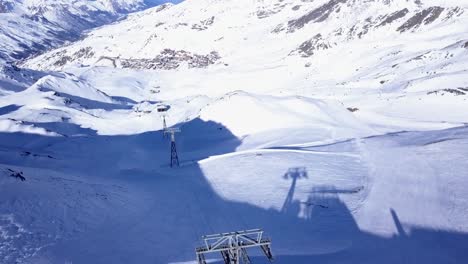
{"x": 294, "y": 174}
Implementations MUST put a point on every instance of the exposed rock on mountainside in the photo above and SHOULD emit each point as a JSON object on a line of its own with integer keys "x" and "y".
{"x": 317, "y": 15}
{"x": 204, "y": 24}
{"x": 267, "y": 12}
{"x": 456, "y": 92}
{"x": 425, "y": 17}
{"x": 307, "y": 48}
{"x": 393, "y": 17}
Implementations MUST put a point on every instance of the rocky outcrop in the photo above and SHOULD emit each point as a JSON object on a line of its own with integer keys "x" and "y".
{"x": 424, "y": 17}
{"x": 319, "y": 14}
{"x": 309, "y": 47}
{"x": 62, "y": 58}
{"x": 204, "y": 24}
{"x": 267, "y": 12}
{"x": 457, "y": 92}
{"x": 393, "y": 17}
{"x": 360, "y": 30}
{"x": 84, "y": 53}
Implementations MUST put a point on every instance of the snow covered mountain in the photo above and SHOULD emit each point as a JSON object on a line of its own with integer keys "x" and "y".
{"x": 410, "y": 50}
{"x": 385, "y": 45}
{"x": 28, "y": 27}
{"x": 337, "y": 126}
{"x": 166, "y": 38}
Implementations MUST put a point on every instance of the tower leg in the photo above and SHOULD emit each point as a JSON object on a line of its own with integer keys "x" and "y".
{"x": 174, "y": 157}
{"x": 267, "y": 250}
{"x": 245, "y": 257}
{"x": 226, "y": 257}
{"x": 201, "y": 259}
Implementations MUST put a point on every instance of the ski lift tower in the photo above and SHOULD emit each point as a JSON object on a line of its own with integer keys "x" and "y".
{"x": 174, "y": 156}
{"x": 162, "y": 109}
{"x": 233, "y": 246}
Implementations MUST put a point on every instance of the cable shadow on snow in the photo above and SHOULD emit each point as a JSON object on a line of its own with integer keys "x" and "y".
{"x": 180, "y": 205}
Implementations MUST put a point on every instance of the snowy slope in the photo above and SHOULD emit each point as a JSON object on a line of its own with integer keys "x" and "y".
{"x": 339, "y": 127}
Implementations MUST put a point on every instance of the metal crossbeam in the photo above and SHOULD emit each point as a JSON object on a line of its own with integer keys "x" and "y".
{"x": 233, "y": 246}
{"x": 172, "y": 131}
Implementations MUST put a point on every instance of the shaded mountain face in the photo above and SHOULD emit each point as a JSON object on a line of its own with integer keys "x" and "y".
{"x": 28, "y": 27}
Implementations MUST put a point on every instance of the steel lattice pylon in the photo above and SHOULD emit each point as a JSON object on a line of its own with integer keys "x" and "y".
{"x": 233, "y": 246}
{"x": 174, "y": 156}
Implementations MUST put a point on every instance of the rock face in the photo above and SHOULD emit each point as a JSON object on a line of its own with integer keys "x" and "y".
{"x": 204, "y": 24}
{"x": 425, "y": 17}
{"x": 457, "y": 92}
{"x": 63, "y": 58}
{"x": 307, "y": 48}
{"x": 317, "y": 15}
{"x": 267, "y": 12}
{"x": 394, "y": 16}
